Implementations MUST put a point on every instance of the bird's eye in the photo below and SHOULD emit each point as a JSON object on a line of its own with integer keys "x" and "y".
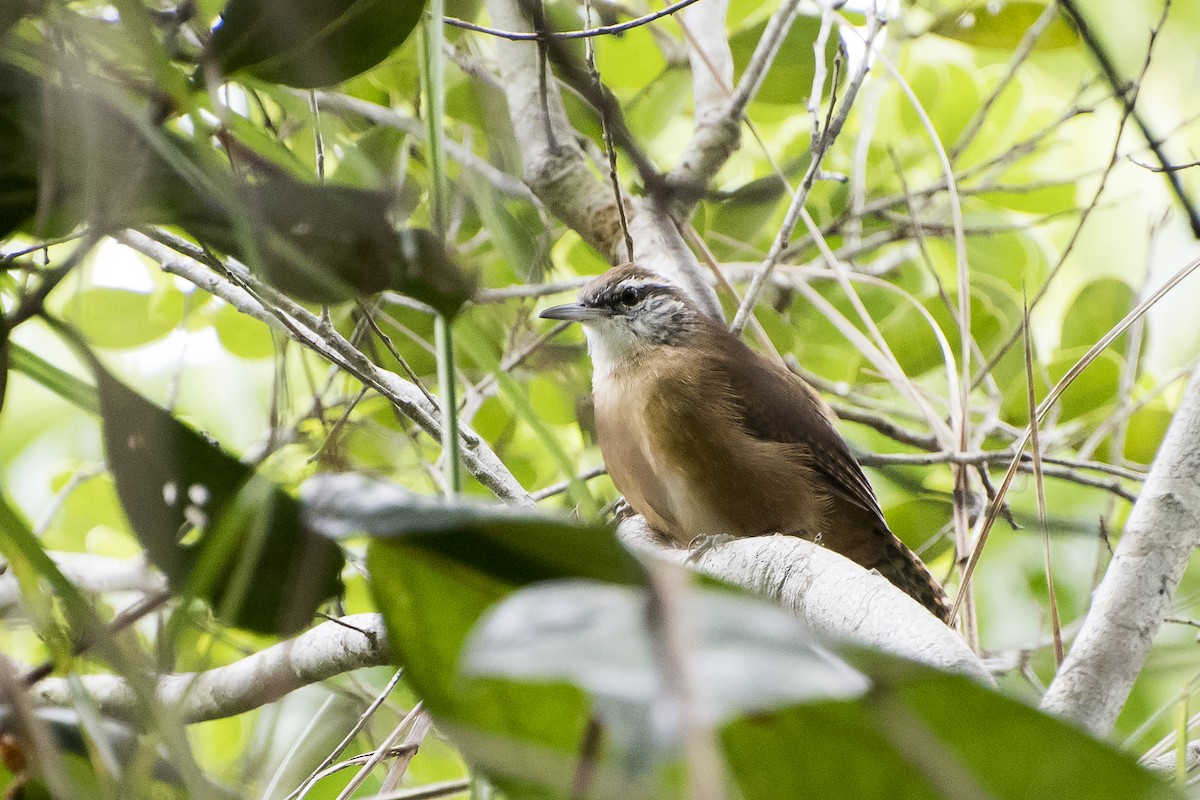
{"x": 629, "y": 296}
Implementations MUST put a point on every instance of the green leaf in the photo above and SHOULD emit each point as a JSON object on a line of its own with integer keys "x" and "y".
{"x": 747, "y": 657}
{"x": 918, "y": 732}
{"x": 119, "y": 318}
{"x": 789, "y": 80}
{"x": 4, "y": 362}
{"x": 1094, "y": 389}
{"x": 242, "y": 335}
{"x": 743, "y": 212}
{"x": 62, "y": 383}
{"x": 310, "y": 43}
{"x": 171, "y": 479}
{"x": 1002, "y": 25}
{"x": 1097, "y": 307}
{"x": 1147, "y": 427}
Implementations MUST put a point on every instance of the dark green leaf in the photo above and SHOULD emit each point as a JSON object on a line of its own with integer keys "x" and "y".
{"x": 918, "y": 733}
{"x": 3, "y": 359}
{"x": 513, "y": 545}
{"x": 1002, "y": 25}
{"x": 256, "y": 561}
{"x": 20, "y": 112}
{"x": 309, "y": 43}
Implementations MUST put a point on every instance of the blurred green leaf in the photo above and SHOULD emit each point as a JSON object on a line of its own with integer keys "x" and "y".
{"x": 119, "y": 318}
{"x": 747, "y": 657}
{"x": 918, "y": 734}
{"x": 11, "y": 12}
{"x": 20, "y": 112}
{"x": 171, "y": 479}
{"x": 72, "y": 154}
{"x": 1094, "y": 389}
{"x": 1097, "y": 307}
{"x": 310, "y": 43}
{"x": 242, "y": 335}
{"x": 1147, "y": 427}
{"x": 1002, "y": 25}
{"x": 742, "y": 213}
{"x": 789, "y": 80}
{"x": 4, "y": 364}
{"x": 62, "y": 383}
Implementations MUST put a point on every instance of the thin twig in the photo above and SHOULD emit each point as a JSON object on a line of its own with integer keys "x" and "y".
{"x": 586, "y": 33}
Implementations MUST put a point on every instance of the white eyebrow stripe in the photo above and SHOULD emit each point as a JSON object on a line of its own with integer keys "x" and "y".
{"x": 644, "y": 283}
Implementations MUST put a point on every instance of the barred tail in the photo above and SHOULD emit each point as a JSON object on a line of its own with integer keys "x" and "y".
{"x": 905, "y": 569}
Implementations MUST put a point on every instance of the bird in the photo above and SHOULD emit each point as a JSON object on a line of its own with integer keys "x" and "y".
{"x": 707, "y": 439}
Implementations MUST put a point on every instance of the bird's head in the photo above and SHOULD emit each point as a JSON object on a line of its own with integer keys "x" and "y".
{"x": 626, "y": 312}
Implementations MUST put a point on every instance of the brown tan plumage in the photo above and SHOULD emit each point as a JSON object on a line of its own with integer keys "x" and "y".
{"x": 705, "y": 437}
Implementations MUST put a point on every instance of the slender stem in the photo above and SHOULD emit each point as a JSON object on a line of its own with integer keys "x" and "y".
{"x": 433, "y": 85}
{"x": 444, "y": 342}
{"x": 435, "y": 107}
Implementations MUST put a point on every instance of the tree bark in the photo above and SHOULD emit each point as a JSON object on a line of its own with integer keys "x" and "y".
{"x": 1130, "y": 603}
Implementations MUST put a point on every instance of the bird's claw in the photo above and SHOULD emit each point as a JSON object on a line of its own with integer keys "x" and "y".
{"x": 705, "y": 542}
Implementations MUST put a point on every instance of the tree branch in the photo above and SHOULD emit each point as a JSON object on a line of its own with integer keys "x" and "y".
{"x": 301, "y": 325}
{"x": 329, "y": 649}
{"x": 833, "y": 595}
{"x": 555, "y": 168}
{"x": 1132, "y": 600}
{"x": 828, "y": 592}
{"x": 94, "y": 574}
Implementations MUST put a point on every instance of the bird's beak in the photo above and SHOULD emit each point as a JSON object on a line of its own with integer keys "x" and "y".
{"x": 575, "y": 312}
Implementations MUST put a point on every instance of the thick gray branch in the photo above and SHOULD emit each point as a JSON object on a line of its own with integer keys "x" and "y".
{"x": 1131, "y": 601}
{"x": 831, "y": 594}
{"x": 327, "y": 650}
{"x": 93, "y": 574}
{"x": 718, "y": 128}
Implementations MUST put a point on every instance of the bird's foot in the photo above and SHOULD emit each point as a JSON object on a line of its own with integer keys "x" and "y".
{"x": 705, "y": 542}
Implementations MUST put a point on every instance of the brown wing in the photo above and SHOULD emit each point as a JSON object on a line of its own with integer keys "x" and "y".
{"x": 779, "y": 406}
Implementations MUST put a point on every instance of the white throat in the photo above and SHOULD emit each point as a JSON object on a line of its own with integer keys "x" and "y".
{"x": 612, "y": 346}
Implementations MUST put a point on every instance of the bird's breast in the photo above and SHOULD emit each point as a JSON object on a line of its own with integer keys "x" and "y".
{"x": 659, "y": 480}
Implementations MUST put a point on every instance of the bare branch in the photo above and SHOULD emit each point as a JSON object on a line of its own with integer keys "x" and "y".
{"x": 555, "y": 168}
{"x": 1134, "y": 597}
{"x": 94, "y": 574}
{"x": 303, "y": 326}
{"x": 329, "y": 649}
